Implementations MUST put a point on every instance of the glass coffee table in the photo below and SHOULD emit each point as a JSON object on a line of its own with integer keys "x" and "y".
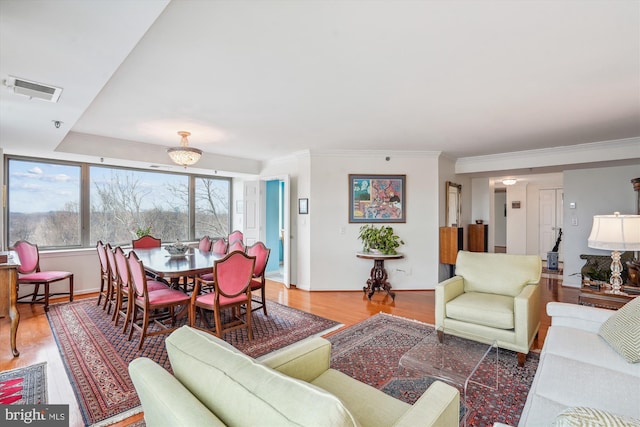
{"x": 456, "y": 361}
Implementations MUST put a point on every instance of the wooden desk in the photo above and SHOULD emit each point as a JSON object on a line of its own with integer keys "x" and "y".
{"x": 378, "y": 275}
{"x": 8, "y": 297}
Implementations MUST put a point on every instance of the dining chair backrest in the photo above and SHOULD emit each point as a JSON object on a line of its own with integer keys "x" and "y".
{"x": 233, "y": 273}
{"x": 28, "y": 255}
{"x": 137, "y": 275}
{"x": 113, "y": 272}
{"x": 102, "y": 256}
{"x": 236, "y": 245}
{"x": 146, "y": 242}
{"x": 235, "y": 235}
{"x": 122, "y": 267}
{"x": 205, "y": 244}
{"x": 261, "y": 252}
{"x": 219, "y": 247}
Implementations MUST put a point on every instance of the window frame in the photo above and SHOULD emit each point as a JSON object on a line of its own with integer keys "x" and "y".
{"x": 85, "y": 197}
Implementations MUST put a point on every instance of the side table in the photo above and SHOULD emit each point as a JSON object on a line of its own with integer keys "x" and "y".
{"x": 378, "y": 275}
{"x": 599, "y": 298}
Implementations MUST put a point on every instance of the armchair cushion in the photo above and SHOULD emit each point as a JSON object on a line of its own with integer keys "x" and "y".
{"x": 491, "y": 310}
{"x": 489, "y": 273}
{"x": 226, "y": 380}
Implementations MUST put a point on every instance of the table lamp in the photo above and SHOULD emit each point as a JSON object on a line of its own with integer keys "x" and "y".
{"x": 615, "y": 233}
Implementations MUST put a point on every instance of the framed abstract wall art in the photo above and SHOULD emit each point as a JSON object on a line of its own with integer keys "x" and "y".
{"x": 377, "y": 198}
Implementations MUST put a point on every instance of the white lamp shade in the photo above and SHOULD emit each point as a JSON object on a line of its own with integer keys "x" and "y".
{"x": 615, "y": 232}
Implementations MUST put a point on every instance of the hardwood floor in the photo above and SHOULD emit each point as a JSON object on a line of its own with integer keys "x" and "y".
{"x": 36, "y": 343}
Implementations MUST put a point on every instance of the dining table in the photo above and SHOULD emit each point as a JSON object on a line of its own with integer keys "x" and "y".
{"x": 172, "y": 268}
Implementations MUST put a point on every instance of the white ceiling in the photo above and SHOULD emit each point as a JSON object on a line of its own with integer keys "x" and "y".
{"x": 259, "y": 80}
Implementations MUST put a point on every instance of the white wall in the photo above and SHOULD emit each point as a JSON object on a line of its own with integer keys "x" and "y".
{"x": 517, "y": 219}
{"x": 599, "y": 191}
{"x": 500, "y": 220}
{"x": 333, "y": 264}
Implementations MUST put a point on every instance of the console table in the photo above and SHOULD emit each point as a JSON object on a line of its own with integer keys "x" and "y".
{"x": 8, "y": 298}
{"x": 378, "y": 275}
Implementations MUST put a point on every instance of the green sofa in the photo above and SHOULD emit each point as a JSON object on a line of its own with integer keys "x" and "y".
{"x": 214, "y": 385}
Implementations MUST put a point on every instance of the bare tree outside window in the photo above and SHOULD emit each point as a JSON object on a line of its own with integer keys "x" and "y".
{"x": 44, "y": 200}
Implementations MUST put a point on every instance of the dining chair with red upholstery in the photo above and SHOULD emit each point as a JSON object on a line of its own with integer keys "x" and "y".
{"x": 113, "y": 278}
{"x": 29, "y": 273}
{"x": 220, "y": 246}
{"x": 150, "y": 301}
{"x": 146, "y": 242}
{"x": 123, "y": 290}
{"x": 261, "y": 252}
{"x": 236, "y": 245}
{"x": 231, "y": 280}
{"x": 205, "y": 244}
{"x": 235, "y": 235}
{"x": 106, "y": 288}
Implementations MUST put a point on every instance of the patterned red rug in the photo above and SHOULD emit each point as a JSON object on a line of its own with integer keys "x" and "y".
{"x": 96, "y": 354}
{"x": 24, "y": 386}
{"x": 370, "y": 351}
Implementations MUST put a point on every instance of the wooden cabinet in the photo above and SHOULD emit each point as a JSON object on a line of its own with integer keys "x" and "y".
{"x": 478, "y": 238}
{"x": 8, "y": 297}
{"x": 450, "y": 244}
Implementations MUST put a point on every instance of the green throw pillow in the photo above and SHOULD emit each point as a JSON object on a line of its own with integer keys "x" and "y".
{"x": 622, "y": 331}
{"x": 590, "y": 417}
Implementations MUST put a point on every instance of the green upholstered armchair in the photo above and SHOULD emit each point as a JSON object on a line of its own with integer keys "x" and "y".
{"x": 492, "y": 297}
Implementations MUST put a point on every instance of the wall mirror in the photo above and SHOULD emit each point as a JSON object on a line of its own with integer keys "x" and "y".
{"x": 452, "y": 206}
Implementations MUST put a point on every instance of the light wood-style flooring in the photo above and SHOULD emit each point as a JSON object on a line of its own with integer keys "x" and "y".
{"x": 36, "y": 343}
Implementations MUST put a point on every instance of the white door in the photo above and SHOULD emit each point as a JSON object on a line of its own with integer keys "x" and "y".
{"x": 254, "y": 194}
{"x": 251, "y": 212}
{"x": 550, "y": 220}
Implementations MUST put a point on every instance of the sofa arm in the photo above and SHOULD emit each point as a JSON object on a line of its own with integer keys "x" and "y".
{"x": 439, "y": 406}
{"x": 577, "y": 316}
{"x": 445, "y": 292}
{"x": 526, "y": 311}
{"x": 305, "y": 360}
{"x": 165, "y": 401}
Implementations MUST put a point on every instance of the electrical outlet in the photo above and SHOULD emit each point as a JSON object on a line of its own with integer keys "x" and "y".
{"x": 574, "y": 220}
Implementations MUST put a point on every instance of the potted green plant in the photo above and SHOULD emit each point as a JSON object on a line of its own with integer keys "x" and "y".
{"x": 382, "y": 240}
{"x": 143, "y": 231}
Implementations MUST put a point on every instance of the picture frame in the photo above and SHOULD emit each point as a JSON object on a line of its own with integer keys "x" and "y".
{"x": 303, "y": 206}
{"x": 377, "y": 198}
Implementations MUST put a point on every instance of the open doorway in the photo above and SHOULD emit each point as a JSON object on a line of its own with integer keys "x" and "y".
{"x": 274, "y": 228}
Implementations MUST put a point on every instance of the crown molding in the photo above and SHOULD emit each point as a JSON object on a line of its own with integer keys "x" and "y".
{"x": 593, "y": 152}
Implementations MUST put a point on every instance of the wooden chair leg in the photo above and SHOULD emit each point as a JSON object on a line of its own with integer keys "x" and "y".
{"x": 522, "y": 357}
{"x": 71, "y": 288}
{"x": 36, "y": 289}
{"x": 46, "y": 297}
{"x": 218, "y": 322}
{"x": 264, "y": 301}
{"x": 248, "y": 319}
{"x": 145, "y": 325}
{"x": 101, "y": 291}
{"x": 440, "y": 335}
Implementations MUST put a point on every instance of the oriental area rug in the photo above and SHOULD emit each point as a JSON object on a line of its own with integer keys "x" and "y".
{"x": 24, "y": 386}
{"x": 370, "y": 352}
{"x": 96, "y": 354}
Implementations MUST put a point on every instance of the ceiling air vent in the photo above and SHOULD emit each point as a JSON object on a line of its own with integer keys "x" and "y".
{"x": 33, "y": 89}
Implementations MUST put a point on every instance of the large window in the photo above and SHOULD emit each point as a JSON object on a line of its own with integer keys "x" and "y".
{"x": 51, "y": 205}
{"x": 44, "y": 203}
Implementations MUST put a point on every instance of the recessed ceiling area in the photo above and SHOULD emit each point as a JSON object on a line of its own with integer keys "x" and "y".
{"x": 258, "y": 80}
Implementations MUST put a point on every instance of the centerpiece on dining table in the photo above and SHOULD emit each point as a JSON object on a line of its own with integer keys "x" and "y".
{"x": 177, "y": 249}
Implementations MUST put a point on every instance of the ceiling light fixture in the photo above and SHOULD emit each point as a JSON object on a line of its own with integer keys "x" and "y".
{"x": 184, "y": 155}
{"x": 509, "y": 181}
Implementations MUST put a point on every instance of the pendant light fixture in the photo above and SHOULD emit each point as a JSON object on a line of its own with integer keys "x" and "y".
{"x": 184, "y": 155}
